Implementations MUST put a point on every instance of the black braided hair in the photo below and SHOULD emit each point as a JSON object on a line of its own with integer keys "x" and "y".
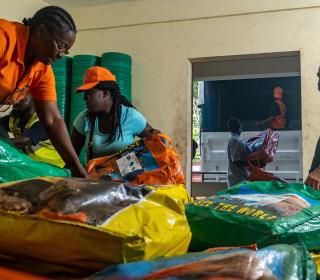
{"x": 115, "y": 112}
{"x": 234, "y": 125}
{"x": 52, "y": 17}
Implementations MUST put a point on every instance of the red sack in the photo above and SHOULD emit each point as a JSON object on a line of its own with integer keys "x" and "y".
{"x": 147, "y": 161}
{"x": 257, "y": 174}
{"x": 262, "y": 148}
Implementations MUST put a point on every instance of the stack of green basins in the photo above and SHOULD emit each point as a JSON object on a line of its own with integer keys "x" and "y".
{"x": 80, "y": 64}
{"x": 120, "y": 65}
{"x": 62, "y": 73}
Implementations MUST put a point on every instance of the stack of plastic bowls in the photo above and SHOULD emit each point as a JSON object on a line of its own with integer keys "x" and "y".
{"x": 62, "y": 72}
{"x": 120, "y": 65}
{"x": 80, "y": 64}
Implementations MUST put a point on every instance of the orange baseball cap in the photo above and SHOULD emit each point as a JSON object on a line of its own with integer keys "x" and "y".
{"x": 93, "y": 76}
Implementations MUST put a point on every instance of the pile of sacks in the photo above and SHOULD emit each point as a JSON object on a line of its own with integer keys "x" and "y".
{"x": 282, "y": 220}
{"x": 135, "y": 209}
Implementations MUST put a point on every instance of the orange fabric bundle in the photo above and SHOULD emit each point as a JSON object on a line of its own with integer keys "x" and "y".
{"x": 77, "y": 217}
{"x": 257, "y": 174}
{"x": 11, "y": 274}
{"x": 151, "y": 160}
{"x": 250, "y": 247}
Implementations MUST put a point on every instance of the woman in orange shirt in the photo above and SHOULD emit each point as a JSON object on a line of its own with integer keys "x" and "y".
{"x": 26, "y": 52}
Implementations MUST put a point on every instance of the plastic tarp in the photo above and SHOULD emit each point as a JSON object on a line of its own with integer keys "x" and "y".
{"x": 16, "y": 165}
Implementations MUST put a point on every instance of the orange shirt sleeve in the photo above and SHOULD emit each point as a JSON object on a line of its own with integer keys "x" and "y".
{"x": 45, "y": 87}
{"x": 3, "y": 43}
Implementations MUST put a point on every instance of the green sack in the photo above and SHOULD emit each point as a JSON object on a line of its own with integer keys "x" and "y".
{"x": 263, "y": 213}
{"x": 16, "y": 165}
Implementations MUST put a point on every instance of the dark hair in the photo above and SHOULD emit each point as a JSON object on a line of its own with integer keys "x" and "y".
{"x": 234, "y": 125}
{"x": 52, "y": 17}
{"x": 194, "y": 146}
{"x": 115, "y": 112}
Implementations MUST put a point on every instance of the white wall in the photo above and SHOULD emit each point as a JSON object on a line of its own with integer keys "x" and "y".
{"x": 16, "y": 10}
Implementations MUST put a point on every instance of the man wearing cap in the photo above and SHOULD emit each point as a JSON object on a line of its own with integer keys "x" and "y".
{"x": 277, "y": 119}
{"x": 236, "y": 149}
{"x": 110, "y": 122}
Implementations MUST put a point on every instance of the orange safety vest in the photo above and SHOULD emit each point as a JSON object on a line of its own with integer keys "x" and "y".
{"x": 279, "y": 122}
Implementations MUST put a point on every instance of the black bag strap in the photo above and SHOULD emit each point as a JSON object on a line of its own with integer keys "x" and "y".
{"x": 90, "y": 143}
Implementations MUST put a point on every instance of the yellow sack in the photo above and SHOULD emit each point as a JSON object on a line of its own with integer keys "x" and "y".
{"x": 316, "y": 259}
{"x": 81, "y": 226}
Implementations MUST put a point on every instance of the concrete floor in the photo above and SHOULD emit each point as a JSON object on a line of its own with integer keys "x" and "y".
{"x": 199, "y": 188}
{"x": 207, "y": 188}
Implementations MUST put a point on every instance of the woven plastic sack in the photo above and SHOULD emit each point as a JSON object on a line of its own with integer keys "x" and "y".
{"x": 274, "y": 262}
{"x": 15, "y": 165}
{"x": 262, "y": 148}
{"x": 256, "y": 212}
{"x": 74, "y": 226}
{"x": 150, "y": 160}
{"x": 257, "y": 174}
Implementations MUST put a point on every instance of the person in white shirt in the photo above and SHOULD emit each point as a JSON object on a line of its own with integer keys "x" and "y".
{"x": 237, "y": 172}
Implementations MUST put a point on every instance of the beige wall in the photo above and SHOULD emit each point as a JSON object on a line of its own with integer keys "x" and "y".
{"x": 163, "y": 35}
{"x": 16, "y": 10}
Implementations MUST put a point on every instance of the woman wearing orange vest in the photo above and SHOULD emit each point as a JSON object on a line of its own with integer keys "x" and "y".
{"x": 277, "y": 120}
{"x": 26, "y": 52}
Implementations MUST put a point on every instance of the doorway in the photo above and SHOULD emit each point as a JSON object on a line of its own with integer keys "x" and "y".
{"x": 242, "y": 87}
